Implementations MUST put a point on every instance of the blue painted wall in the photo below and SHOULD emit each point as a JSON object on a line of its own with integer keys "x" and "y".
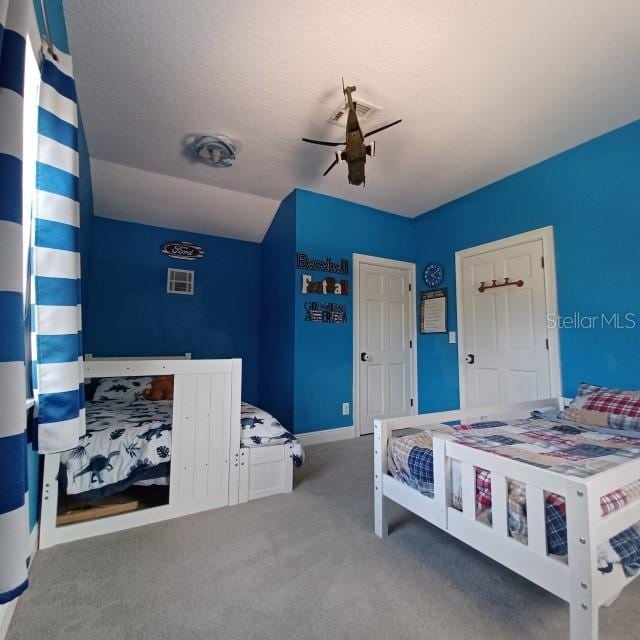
{"x": 131, "y": 314}
{"x": 59, "y": 37}
{"x": 277, "y": 314}
{"x": 332, "y": 227}
{"x": 591, "y": 196}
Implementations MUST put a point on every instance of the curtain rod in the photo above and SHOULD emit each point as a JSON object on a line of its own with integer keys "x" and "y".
{"x": 47, "y": 28}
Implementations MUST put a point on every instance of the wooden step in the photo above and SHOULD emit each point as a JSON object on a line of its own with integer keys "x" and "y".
{"x": 112, "y": 506}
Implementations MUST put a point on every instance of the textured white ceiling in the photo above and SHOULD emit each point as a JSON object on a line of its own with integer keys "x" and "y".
{"x": 484, "y": 88}
{"x": 127, "y": 193}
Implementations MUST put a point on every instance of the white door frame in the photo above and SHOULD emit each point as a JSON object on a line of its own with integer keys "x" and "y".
{"x": 359, "y": 259}
{"x": 551, "y": 297}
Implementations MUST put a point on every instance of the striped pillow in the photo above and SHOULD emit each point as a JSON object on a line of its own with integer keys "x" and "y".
{"x": 603, "y": 407}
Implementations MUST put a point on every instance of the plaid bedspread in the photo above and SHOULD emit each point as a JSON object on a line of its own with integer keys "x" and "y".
{"x": 561, "y": 447}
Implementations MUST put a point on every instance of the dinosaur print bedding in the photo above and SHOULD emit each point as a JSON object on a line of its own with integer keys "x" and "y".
{"x": 260, "y": 428}
{"x": 127, "y": 441}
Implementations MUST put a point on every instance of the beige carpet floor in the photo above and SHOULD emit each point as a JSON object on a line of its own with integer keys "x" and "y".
{"x": 305, "y": 565}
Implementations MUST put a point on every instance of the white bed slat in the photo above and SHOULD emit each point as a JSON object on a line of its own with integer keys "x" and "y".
{"x": 204, "y": 440}
{"x": 217, "y": 475}
{"x": 186, "y": 435}
{"x": 499, "y": 503}
{"x": 536, "y": 520}
{"x": 468, "y": 475}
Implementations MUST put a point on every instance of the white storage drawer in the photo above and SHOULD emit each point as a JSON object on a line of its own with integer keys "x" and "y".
{"x": 265, "y": 471}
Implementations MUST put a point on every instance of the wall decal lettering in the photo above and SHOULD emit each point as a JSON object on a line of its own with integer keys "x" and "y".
{"x": 327, "y": 312}
{"x": 182, "y": 250}
{"x": 303, "y": 261}
{"x": 328, "y": 285}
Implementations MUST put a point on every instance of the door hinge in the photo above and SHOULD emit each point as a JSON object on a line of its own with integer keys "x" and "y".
{"x": 547, "y": 343}
{"x": 410, "y": 344}
{"x": 411, "y": 402}
{"x": 409, "y": 286}
{"x": 542, "y": 262}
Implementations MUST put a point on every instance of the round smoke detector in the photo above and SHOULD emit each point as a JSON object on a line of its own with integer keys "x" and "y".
{"x": 216, "y": 150}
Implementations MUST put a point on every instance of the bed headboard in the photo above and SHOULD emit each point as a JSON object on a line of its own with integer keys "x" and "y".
{"x": 186, "y": 356}
{"x": 88, "y": 357}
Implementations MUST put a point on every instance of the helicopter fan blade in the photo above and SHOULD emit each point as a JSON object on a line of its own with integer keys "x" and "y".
{"x": 326, "y": 144}
{"x": 386, "y": 126}
{"x": 333, "y": 164}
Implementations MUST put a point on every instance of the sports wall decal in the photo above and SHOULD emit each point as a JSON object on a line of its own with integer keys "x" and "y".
{"x": 303, "y": 261}
{"x": 328, "y": 285}
{"x": 182, "y": 250}
{"x": 327, "y": 312}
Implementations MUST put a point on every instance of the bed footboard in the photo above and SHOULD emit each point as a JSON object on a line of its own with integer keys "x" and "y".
{"x": 434, "y": 510}
{"x": 205, "y": 439}
{"x": 576, "y": 580}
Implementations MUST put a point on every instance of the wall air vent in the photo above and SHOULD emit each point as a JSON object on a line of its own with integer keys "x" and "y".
{"x": 364, "y": 110}
{"x": 180, "y": 281}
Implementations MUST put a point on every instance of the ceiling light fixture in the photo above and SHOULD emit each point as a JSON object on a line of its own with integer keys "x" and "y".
{"x": 216, "y": 150}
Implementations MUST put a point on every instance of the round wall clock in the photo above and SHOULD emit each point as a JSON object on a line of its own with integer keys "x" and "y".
{"x": 433, "y": 275}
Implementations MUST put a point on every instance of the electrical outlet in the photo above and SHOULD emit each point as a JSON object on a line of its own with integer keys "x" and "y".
{"x": 452, "y": 337}
{"x": 345, "y": 408}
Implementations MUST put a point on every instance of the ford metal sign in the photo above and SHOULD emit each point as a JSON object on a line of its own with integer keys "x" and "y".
{"x": 182, "y": 250}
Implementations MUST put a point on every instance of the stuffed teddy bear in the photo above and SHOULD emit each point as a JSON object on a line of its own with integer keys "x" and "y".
{"x": 161, "y": 388}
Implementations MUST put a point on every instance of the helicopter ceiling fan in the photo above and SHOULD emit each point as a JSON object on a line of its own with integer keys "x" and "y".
{"x": 355, "y": 150}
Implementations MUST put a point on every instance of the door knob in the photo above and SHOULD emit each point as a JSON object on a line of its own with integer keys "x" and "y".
{"x": 471, "y": 358}
{"x": 364, "y": 356}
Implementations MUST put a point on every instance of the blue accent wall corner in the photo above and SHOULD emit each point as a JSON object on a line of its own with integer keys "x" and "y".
{"x": 131, "y": 314}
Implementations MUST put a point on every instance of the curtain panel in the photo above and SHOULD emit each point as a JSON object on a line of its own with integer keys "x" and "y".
{"x": 14, "y": 519}
{"x": 56, "y": 338}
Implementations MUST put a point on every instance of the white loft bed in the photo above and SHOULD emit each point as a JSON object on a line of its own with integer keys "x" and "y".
{"x": 578, "y": 582}
{"x": 209, "y": 469}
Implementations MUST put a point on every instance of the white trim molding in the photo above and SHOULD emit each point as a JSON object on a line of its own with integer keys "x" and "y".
{"x": 545, "y": 234}
{"x": 359, "y": 259}
{"x": 326, "y": 435}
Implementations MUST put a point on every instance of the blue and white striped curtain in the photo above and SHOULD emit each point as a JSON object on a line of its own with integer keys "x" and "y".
{"x": 56, "y": 342}
{"x": 14, "y": 519}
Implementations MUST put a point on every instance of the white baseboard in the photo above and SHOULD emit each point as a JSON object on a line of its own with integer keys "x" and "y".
{"x": 6, "y": 610}
{"x": 327, "y": 435}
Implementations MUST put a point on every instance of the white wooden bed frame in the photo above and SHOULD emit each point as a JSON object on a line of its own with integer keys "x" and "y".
{"x": 209, "y": 469}
{"x": 578, "y": 582}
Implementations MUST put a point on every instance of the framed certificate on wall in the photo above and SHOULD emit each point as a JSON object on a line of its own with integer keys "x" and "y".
{"x": 433, "y": 311}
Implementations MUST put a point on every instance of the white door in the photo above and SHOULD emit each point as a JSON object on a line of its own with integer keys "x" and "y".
{"x": 505, "y": 343}
{"x": 385, "y": 342}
